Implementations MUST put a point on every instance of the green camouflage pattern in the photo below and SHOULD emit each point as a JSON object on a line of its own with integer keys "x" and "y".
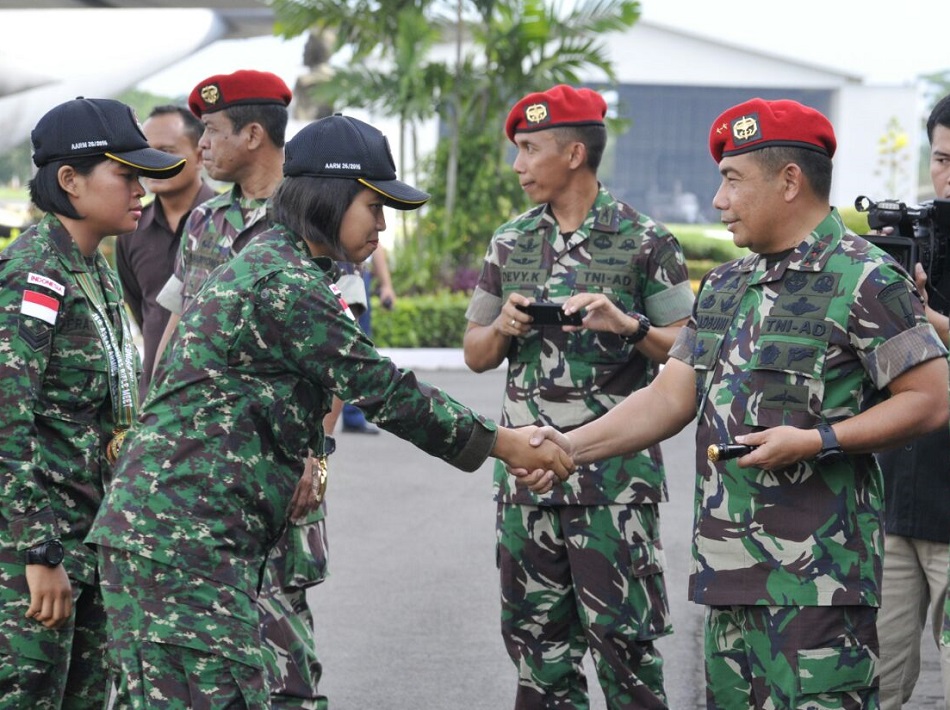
{"x": 815, "y": 336}
{"x": 55, "y": 399}
{"x": 57, "y": 418}
{"x": 177, "y": 639}
{"x": 581, "y": 567}
{"x": 569, "y": 379}
{"x": 296, "y": 562}
{"x": 51, "y": 668}
{"x": 210, "y": 466}
{"x": 215, "y": 231}
{"x": 778, "y": 657}
{"x": 594, "y": 579}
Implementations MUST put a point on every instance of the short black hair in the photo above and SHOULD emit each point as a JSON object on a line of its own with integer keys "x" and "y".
{"x": 815, "y": 165}
{"x": 940, "y": 116}
{"x": 313, "y": 208}
{"x": 193, "y": 125}
{"x": 45, "y": 191}
{"x": 594, "y": 139}
{"x": 272, "y": 117}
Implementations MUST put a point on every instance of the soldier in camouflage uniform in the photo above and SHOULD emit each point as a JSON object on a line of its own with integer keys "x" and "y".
{"x": 69, "y": 372}
{"x": 202, "y": 492}
{"x": 582, "y": 567}
{"x": 792, "y": 352}
{"x": 245, "y": 116}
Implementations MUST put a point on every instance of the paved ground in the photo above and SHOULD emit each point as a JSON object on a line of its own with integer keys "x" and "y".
{"x": 409, "y": 617}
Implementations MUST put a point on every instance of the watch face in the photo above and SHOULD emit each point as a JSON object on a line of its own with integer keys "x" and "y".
{"x": 54, "y": 553}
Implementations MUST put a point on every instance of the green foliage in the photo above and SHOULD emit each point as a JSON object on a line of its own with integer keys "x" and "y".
{"x": 433, "y": 321}
{"x": 503, "y": 49}
{"x": 856, "y": 221}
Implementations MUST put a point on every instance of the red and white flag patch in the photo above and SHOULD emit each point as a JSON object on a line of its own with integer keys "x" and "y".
{"x": 343, "y": 304}
{"x": 39, "y": 305}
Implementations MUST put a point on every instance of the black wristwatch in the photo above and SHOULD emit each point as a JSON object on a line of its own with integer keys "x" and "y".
{"x": 830, "y": 449}
{"x": 641, "y": 331}
{"x": 49, "y": 553}
{"x": 329, "y": 445}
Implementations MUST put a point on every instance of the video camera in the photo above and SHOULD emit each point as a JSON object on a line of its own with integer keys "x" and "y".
{"x": 918, "y": 234}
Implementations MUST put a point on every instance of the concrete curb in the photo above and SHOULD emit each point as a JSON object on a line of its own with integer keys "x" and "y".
{"x": 426, "y": 358}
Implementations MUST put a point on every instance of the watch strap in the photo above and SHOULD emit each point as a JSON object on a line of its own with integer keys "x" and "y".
{"x": 642, "y": 330}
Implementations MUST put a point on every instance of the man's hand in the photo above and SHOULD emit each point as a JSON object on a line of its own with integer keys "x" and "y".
{"x": 512, "y": 322}
{"x": 542, "y": 436}
{"x": 544, "y": 460}
{"x": 779, "y": 447}
{"x": 308, "y": 494}
{"x": 51, "y": 597}
{"x": 601, "y": 314}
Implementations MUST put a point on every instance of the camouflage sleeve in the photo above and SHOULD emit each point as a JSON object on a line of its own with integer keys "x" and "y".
{"x": 685, "y": 344}
{"x": 487, "y": 298}
{"x": 888, "y": 327}
{"x": 27, "y": 318}
{"x": 667, "y": 294}
{"x": 328, "y": 347}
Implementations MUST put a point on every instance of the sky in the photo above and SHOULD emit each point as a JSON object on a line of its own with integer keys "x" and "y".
{"x": 884, "y": 41}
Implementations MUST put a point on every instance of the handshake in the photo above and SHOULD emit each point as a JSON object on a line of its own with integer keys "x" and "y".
{"x": 536, "y": 456}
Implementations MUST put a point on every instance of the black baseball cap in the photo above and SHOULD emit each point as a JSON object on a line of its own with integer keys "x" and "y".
{"x": 340, "y": 146}
{"x": 86, "y": 127}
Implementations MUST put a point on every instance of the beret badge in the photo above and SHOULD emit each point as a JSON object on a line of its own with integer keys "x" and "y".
{"x": 745, "y": 129}
{"x": 210, "y": 94}
{"x": 536, "y": 114}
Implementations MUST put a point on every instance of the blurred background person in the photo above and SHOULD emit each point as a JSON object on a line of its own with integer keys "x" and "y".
{"x": 145, "y": 258}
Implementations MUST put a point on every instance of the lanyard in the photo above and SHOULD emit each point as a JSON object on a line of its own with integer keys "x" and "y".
{"x": 120, "y": 352}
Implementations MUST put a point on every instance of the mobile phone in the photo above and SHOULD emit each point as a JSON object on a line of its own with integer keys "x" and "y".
{"x": 547, "y": 313}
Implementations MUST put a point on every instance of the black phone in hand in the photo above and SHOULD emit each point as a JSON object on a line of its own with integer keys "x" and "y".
{"x": 547, "y": 313}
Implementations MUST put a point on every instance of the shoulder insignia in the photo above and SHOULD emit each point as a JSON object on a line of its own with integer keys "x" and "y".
{"x": 39, "y": 305}
{"x": 46, "y": 282}
{"x": 343, "y": 304}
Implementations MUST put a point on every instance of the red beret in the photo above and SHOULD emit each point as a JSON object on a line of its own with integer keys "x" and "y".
{"x": 243, "y": 87}
{"x": 758, "y": 123}
{"x": 558, "y": 106}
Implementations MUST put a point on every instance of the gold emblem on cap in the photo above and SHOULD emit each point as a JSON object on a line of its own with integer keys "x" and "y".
{"x": 745, "y": 128}
{"x": 210, "y": 94}
{"x": 536, "y": 113}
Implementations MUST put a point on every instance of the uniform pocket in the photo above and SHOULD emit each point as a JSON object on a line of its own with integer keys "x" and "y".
{"x": 835, "y": 670}
{"x": 786, "y": 383}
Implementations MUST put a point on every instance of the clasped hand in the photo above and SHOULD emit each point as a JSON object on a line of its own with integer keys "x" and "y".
{"x": 537, "y": 457}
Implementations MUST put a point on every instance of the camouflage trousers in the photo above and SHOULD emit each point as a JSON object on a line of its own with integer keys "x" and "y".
{"x": 298, "y": 561}
{"x": 43, "y": 668}
{"x": 178, "y": 640}
{"x": 778, "y": 657}
{"x": 575, "y": 578}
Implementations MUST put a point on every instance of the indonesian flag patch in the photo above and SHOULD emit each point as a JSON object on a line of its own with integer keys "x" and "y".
{"x": 39, "y": 305}
{"x": 343, "y": 304}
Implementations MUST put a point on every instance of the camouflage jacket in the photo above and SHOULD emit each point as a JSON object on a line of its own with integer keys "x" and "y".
{"x": 215, "y": 231}
{"x": 57, "y": 414}
{"x": 208, "y": 471}
{"x": 568, "y": 379}
{"x": 814, "y": 337}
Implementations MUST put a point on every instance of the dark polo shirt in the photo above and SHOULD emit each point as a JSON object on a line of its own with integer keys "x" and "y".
{"x": 145, "y": 260}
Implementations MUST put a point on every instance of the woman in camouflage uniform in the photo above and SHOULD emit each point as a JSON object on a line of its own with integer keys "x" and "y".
{"x": 67, "y": 391}
{"x": 202, "y": 490}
